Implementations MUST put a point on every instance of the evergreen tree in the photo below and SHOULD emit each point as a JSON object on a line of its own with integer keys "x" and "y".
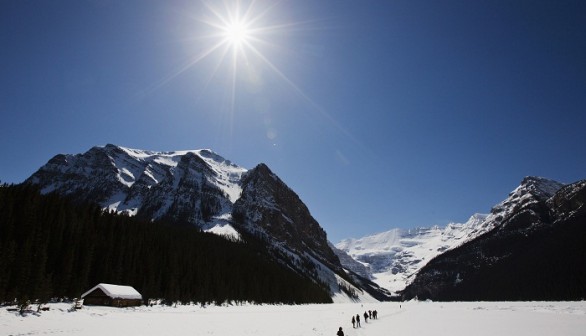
{"x": 51, "y": 247}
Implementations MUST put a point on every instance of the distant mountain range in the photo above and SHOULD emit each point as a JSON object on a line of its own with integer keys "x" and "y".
{"x": 541, "y": 224}
{"x": 531, "y": 246}
{"x": 536, "y": 250}
{"x": 392, "y": 258}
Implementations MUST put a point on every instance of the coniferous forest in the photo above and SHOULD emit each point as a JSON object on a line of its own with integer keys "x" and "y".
{"x": 51, "y": 247}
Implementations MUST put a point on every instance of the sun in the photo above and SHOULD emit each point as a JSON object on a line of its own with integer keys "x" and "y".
{"x": 242, "y": 52}
{"x": 237, "y": 25}
{"x": 240, "y": 42}
{"x": 237, "y": 33}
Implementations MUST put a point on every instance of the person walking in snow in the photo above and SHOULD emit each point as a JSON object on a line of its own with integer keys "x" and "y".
{"x": 353, "y": 322}
{"x": 340, "y": 332}
{"x": 365, "y": 317}
{"x": 357, "y": 321}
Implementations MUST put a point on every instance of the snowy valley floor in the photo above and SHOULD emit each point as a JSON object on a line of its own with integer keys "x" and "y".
{"x": 411, "y": 318}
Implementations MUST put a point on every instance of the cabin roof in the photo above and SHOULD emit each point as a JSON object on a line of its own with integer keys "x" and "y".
{"x": 116, "y": 291}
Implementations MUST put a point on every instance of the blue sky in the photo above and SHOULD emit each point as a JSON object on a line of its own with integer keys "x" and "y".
{"x": 379, "y": 114}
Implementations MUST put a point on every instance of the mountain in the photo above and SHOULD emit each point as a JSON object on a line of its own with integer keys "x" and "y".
{"x": 187, "y": 187}
{"x": 391, "y": 258}
{"x": 268, "y": 207}
{"x": 271, "y": 211}
{"x": 534, "y": 251}
{"x": 202, "y": 189}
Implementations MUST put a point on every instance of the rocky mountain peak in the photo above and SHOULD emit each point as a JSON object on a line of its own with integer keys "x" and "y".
{"x": 540, "y": 187}
{"x": 269, "y": 207}
{"x": 262, "y": 172}
{"x": 531, "y": 193}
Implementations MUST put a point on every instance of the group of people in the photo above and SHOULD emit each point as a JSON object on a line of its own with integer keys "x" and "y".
{"x": 370, "y": 314}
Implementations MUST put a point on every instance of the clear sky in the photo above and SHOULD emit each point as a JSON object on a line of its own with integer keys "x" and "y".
{"x": 379, "y": 114}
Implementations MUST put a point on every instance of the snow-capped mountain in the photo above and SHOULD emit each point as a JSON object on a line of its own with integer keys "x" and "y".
{"x": 393, "y": 257}
{"x": 203, "y": 189}
{"x": 532, "y": 191}
{"x": 535, "y": 250}
{"x": 196, "y": 187}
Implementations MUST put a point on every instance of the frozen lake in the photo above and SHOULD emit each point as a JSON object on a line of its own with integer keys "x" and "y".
{"x": 407, "y": 318}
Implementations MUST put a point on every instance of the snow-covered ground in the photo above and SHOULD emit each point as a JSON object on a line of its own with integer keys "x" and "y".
{"x": 395, "y": 319}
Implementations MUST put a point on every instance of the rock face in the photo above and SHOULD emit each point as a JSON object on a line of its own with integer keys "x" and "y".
{"x": 270, "y": 209}
{"x": 273, "y": 213}
{"x": 535, "y": 251}
{"x": 203, "y": 189}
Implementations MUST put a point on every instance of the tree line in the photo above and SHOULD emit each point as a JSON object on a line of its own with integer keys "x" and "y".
{"x": 53, "y": 247}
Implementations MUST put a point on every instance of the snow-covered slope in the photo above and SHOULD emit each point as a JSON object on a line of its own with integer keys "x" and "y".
{"x": 198, "y": 187}
{"x": 394, "y": 256}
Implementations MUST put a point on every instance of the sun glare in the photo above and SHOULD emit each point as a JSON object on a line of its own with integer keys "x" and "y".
{"x": 237, "y": 40}
{"x": 236, "y": 33}
{"x": 236, "y": 25}
{"x": 240, "y": 35}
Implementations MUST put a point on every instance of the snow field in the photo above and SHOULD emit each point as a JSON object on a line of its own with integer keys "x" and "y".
{"x": 413, "y": 318}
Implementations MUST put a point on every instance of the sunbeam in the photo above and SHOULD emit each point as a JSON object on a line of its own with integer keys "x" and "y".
{"x": 241, "y": 37}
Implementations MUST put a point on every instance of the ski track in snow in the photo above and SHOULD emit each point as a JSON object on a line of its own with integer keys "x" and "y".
{"x": 395, "y": 319}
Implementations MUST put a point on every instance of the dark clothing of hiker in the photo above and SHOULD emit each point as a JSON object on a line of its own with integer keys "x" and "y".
{"x": 340, "y": 332}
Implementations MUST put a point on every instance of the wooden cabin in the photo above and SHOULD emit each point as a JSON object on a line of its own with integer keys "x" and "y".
{"x": 112, "y": 295}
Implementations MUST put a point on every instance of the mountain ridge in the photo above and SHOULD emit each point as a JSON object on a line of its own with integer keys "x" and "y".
{"x": 201, "y": 188}
{"x": 392, "y": 258}
{"x": 128, "y": 177}
{"x": 535, "y": 251}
